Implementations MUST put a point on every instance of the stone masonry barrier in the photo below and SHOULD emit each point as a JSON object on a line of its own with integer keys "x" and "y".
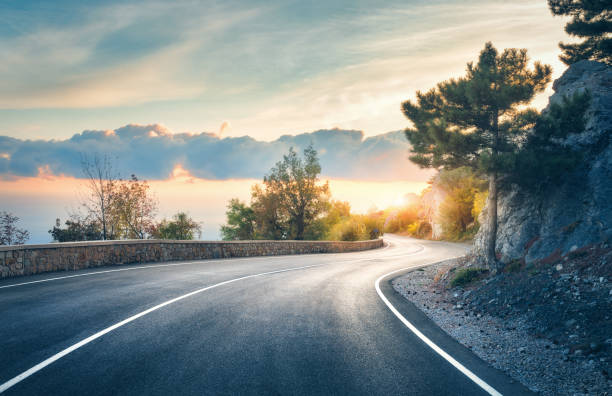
{"x": 71, "y": 256}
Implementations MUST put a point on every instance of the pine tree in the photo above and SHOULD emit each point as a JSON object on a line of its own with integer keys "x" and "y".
{"x": 592, "y": 21}
{"x": 476, "y": 121}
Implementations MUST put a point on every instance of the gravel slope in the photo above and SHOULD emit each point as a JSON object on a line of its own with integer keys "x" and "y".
{"x": 545, "y": 366}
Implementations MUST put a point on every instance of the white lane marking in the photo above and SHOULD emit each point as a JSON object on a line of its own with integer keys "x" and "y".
{"x": 12, "y": 382}
{"x": 486, "y": 387}
{"x": 161, "y": 265}
{"x": 8, "y": 384}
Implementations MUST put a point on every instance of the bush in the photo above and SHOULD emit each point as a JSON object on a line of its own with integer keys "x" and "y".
{"x": 513, "y": 266}
{"x": 348, "y": 230}
{"x": 465, "y": 276}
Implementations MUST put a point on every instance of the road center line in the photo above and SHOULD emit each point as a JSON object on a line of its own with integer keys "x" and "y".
{"x": 486, "y": 387}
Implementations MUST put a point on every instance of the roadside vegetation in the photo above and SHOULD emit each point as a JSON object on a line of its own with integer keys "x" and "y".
{"x": 114, "y": 208}
{"x": 292, "y": 203}
{"x": 10, "y": 233}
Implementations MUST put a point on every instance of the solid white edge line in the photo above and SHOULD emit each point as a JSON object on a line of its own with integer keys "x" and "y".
{"x": 8, "y": 384}
{"x": 191, "y": 262}
{"x": 486, "y": 387}
{"x": 15, "y": 380}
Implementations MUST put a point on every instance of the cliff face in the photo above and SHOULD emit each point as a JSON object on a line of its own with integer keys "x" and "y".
{"x": 577, "y": 212}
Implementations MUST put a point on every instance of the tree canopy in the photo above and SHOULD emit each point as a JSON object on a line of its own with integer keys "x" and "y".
{"x": 181, "y": 227}
{"x": 240, "y": 222}
{"x": 294, "y": 184}
{"x": 592, "y": 22}
{"x": 477, "y": 120}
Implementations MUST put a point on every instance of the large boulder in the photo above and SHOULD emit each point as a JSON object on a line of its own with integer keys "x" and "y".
{"x": 577, "y": 212}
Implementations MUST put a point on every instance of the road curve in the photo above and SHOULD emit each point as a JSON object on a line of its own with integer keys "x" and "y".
{"x": 311, "y": 324}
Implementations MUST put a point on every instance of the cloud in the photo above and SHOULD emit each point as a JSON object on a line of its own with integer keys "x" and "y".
{"x": 154, "y": 152}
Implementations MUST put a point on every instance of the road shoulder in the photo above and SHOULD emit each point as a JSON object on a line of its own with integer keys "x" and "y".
{"x": 504, "y": 344}
{"x": 492, "y": 376}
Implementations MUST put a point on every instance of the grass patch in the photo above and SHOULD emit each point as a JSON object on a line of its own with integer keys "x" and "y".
{"x": 465, "y": 276}
{"x": 513, "y": 266}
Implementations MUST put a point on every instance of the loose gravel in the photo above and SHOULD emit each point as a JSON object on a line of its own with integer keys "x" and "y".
{"x": 506, "y": 344}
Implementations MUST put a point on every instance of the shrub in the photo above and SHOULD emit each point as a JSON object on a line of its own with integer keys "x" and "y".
{"x": 513, "y": 266}
{"x": 465, "y": 276}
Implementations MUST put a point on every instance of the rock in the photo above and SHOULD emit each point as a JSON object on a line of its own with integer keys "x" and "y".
{"x": 578, "y": 211}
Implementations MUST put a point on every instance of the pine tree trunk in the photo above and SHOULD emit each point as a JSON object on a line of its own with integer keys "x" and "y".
{"x": 490, "y": 255}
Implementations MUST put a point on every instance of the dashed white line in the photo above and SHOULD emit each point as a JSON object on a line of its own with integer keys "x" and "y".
{"x": 477, "y": 380}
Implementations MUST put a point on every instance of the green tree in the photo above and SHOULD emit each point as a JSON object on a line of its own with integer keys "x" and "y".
{"x": 77, "y": 229}
{"x": 301, "y": 198}
{"x": 134, "y": 207}
{"x": 181, "y": 227}
{"x": 240, "y": 222}
{"x": 271, "y": 221}
{"x": 475, "y": 121}
{"x": 545, "y": 158}
{"x": 591, "y": 21}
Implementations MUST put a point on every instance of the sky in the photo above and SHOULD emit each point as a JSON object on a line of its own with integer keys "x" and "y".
{"x": 219, "y": 90}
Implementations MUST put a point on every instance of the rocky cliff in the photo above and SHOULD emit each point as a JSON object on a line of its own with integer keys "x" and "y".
{"x": 578, "y": 212}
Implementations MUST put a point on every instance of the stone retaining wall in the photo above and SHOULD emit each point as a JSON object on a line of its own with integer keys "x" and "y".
{"x": 71, "y": 256}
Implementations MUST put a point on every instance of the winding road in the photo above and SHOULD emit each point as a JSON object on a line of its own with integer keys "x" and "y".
{"x": 310, "y": 324}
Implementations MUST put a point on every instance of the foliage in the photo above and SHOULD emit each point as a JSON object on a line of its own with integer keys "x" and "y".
{"x": 77, "y": 229}
{"x": 348, "y": 230}
{"x": 401, "y": 219}
{"x": 292, "y": 204}
{"x": 456, "y": 212}
{"x": 357, "y": 228}
{"x": 133, "y": 208}
{"x": 465, "y": 276}
{"x": 476, "y": 120}
{"x": 591, "y": 21}
{"x": 122, "y": 208}
{"x": 240, "y": 222}
{"x": 480, "y": 200}
{"x": 270, "y": 221}
{"x": 300, "y": 198}
{"x": 9, "y": 233}
{"x": 544, "y": 159}
{"x": 289, "y": 204}
{"x": 181, "y": 227}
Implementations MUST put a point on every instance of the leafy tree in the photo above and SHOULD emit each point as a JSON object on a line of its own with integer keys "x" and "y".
{"x": 300, "y": 198}
{"x": 591, "y": 21}
{"x": 181, "y": 227}
{"x": 240, "y": 221}
{"x": 9, "y": 233}
{"x": 77, "y": 229}
{"x": 134, "y": 208}
{"x": 475, "y": 121}
{"x": 271, "y": 221}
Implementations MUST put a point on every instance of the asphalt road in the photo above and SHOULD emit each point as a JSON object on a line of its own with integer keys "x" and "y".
{"x": 311, "y": 324}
